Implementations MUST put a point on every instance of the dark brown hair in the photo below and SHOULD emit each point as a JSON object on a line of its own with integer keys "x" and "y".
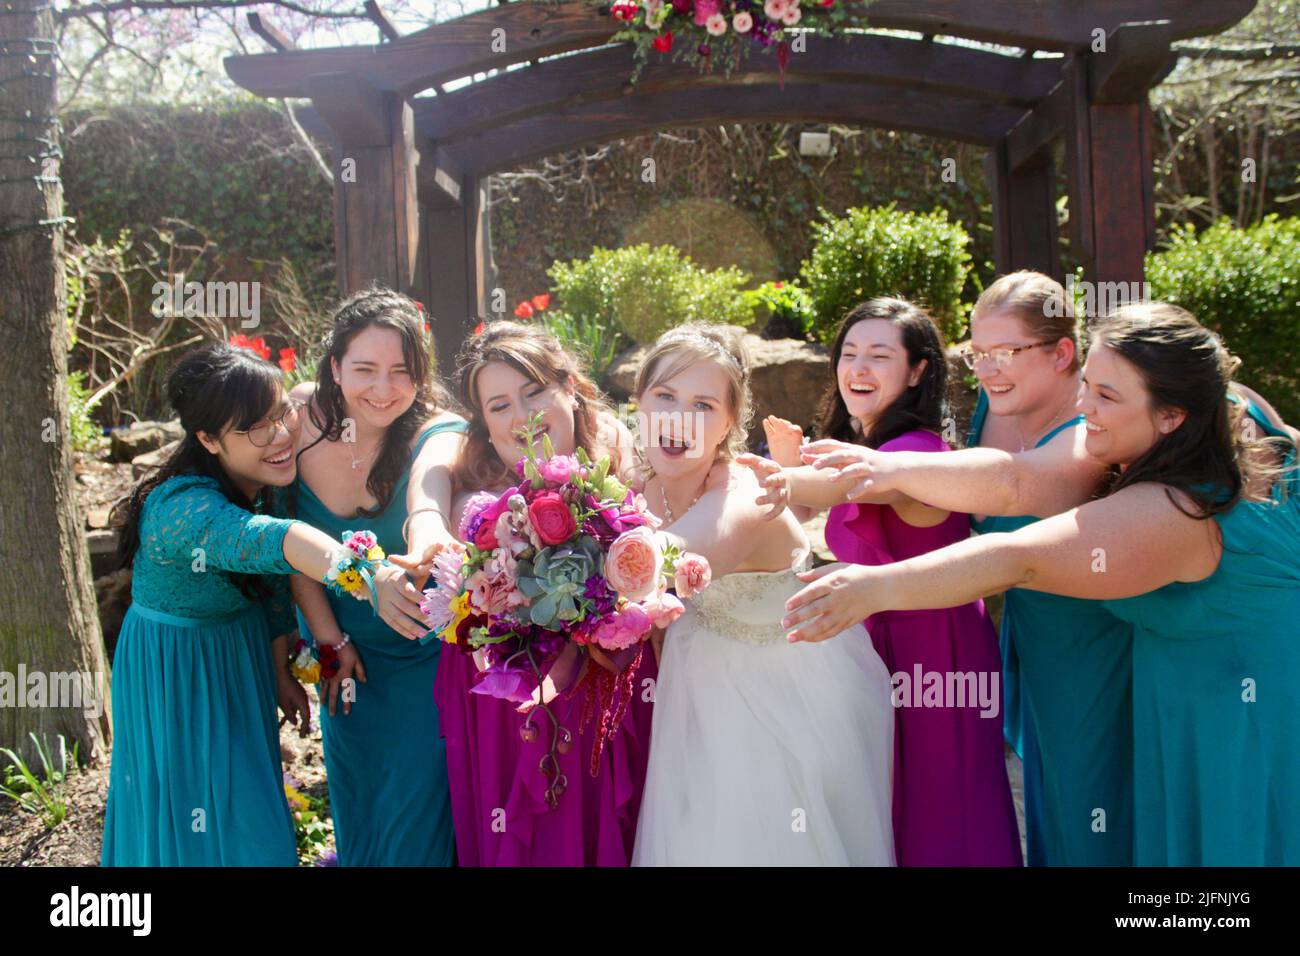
{"x": 1185, "y": 366}
{"x": 923, "y": 405}
{"x": 382, "y": 308}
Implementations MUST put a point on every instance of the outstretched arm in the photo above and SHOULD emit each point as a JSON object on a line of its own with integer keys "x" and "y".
{"x": 1126, "y": 544}
{"x": 723, "y": 524}
{"x": 1040, "y": 482}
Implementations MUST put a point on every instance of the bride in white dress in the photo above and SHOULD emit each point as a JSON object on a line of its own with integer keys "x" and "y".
{"x": 762, "y": 752}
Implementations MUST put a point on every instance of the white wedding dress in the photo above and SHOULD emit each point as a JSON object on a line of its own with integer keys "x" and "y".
{"x": 766, "y": 753}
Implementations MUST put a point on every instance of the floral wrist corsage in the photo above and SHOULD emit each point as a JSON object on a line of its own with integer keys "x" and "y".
{"x": 352, "y": 571}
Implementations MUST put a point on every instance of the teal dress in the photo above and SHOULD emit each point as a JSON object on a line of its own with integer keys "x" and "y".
{"x": 386, "y": 760}
{"x": 1067, "y": 681}
{"x": 196, "y": 777}
{"x": 1216, "y": 697}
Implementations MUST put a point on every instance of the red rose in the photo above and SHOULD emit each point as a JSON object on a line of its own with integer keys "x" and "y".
{"x": 663, "y": 42}
{"x": 551, "y": 518}
{"x": 486, "y": 537}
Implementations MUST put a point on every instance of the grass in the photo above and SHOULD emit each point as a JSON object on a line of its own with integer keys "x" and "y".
{"x": 39, "y": 795}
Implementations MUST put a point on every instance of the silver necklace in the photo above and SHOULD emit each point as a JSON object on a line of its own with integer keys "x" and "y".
{"x": 1069, "y": 399}
{"x": 668, "y": 510}
{"x": 358, "y": 462}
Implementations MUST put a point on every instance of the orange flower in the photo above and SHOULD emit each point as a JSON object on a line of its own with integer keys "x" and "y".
{"x": 524, "y": 311}
{"x": 540, "y": 302}
{"x": 288, "y": 359}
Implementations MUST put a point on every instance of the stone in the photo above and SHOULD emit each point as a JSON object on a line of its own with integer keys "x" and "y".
{"x": 126, "y": 444}
{"x": 141, "y": 465}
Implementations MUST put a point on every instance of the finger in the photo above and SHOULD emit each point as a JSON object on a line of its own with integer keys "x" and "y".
{"x": 816, "y": 574}
{"x": 805, "y": 612}
{"x": 822, "y": 446}
{"x": 860, "y": 490}
{"x": 334, "y": 696}
{"x": 773, "y": 512}
{"x": 359, "y": 670}
{"x": 837, "y": 459}
{"x": 812, "y": 634}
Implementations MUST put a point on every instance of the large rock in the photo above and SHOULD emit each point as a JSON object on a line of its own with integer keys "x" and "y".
{"x": 788, "y": 378}
{"x": 141, "y": 465}
{"x": 126, "y": 444}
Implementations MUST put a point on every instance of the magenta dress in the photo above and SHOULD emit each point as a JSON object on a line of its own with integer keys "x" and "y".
{"x": 498, "y": 801}
{"x": 952, "y": 799}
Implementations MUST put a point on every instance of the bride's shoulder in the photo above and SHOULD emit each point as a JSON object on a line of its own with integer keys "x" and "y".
{"x": 727, "y": 475}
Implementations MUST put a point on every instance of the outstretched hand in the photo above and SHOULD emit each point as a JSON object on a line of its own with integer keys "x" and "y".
{"x": 783, "y": 440}
{"x": 774, "y": 480}
{"x": 865, "y": 471}
{"x": 419, "y": 567}
{"x": 837, "y": 596}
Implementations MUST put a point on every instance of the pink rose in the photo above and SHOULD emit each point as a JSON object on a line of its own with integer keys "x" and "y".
{"x": 634, "y": 564}
{"x": 663, "y": 609}
{"x": 551, "y": 519}
{"x": 693, "y": 575}
{"x": 791, "y": 15}
{"x": 558, "y": 469}
{"x": 742, "y": 22}
{"x": 705, "y": 9}
{"x": 716, "y": 25}
{"x": 622, "y": 629}
{"x": 775, "y": 9}
{"x": 478, "y": 503}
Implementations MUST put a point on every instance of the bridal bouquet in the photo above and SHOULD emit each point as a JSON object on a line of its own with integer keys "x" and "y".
{"x": 567, "y": 556}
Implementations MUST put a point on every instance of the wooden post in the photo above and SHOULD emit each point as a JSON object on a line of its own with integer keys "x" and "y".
{"x": 455, "y": 264}
{"x": 375, "y": 209}
{"x": 1025, "y": 233}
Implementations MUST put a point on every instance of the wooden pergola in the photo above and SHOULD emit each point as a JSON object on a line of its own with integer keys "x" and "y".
{"x": 414, "y": 214}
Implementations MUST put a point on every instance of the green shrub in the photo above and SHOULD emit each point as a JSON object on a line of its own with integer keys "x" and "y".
{"x": 788, "y": 309}
{"x": 1244, "y": 284}
{"x": 646, "y": 290}
{"x": 874, "y": 252}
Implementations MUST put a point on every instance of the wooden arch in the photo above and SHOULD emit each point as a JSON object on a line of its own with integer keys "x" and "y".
{"x": 410, "y": 210}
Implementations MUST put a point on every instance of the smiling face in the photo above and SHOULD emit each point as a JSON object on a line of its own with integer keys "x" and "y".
{"x": 507, "y": 399}
{"x": 1029, "y": 380}
{"x": 374, "y": 377}
{"x": 250, "y": 466}
{"x": 873, "y": 369}
{"x": 686, "y": 418}
{"x": 1122, "y": 425}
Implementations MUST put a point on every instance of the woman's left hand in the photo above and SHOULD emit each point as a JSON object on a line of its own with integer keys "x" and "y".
{"x": 861, "y": 468}
{"x": 292, "y": 698}
{"x": 420, "y": 566}
{"x": 837, "y": 596}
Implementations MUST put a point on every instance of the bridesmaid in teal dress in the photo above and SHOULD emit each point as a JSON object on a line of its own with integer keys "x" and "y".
{"x": 376, "y": 455}
{"x": 1197, "y": 545}
{"x": 196, "y": 776}
{"x": 1066, "y": 663}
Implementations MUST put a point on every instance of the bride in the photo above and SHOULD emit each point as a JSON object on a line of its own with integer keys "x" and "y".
{"x": 762, "y": 752}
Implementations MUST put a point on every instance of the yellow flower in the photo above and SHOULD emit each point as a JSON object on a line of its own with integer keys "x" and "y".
{"x": 375, "y": 554}
{"x": 296, "y": 799}
{"x": 350, "y": 580}
{"x": 306, "y": 674}
{"x": 460, "y": 609}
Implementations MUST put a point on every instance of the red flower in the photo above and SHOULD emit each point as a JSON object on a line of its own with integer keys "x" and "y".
{"x": 778, "y": 285}
{"x": 826, "y": 3}
{"x": 486, "y": 538}
{"x": 551, "y": 518}
{"x": 624, "y": 10}
{"x": 288, "y": 359}
{"x": 524, "y": 311}
{"x": 663, "y": 42}
{"x": 258, "y": 345}
{"x": 478, "y": 329}
{"x": 419, "y": 305}
{"x": 540, "y": 302}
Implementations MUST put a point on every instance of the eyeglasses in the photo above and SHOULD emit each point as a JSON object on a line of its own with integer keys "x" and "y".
{"x": 263, "y": 433}
{"x": 1000, "y": 357}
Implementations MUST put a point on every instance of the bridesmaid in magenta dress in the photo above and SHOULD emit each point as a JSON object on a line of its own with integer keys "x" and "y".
{"x": 952, "y": 799}
{"x": 508, "y": 373}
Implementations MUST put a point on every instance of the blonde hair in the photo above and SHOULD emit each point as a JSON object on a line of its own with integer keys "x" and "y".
{"x": 705, "y": 342}
{"x": 1037, "y": 300}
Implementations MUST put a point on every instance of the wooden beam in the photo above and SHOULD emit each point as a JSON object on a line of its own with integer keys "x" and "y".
{"x": 380, "y": 19}
{"x": 438, "y": 176}
{"x": 352, "y": 107}
{"x": 505, "y": 147}
{"x": 1121, "y": 205}
{"x": 602, "y": 75}
{"x": 1136, "y": 55}
{"x": 460, "y": 47}
{"x": 455, "y": 262}
{"x": 267, "y": 31}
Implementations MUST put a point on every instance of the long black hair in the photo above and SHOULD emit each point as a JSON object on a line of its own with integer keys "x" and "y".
{"x": 213, "y": 386}
{"x": 383, "y": 308}
{"x": 923, "y": 405}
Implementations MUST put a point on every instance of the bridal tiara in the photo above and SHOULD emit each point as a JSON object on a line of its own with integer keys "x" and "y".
{"x": 695, "y": 338}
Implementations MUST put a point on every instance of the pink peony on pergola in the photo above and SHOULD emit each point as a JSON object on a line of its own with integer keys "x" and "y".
{"x": 413, "y": 216}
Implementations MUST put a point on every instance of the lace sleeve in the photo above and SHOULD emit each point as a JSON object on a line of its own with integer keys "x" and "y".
{"x": 188, "y": 519}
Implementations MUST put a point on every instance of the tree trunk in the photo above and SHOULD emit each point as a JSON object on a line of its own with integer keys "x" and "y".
{"x": 53, "y": 674}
